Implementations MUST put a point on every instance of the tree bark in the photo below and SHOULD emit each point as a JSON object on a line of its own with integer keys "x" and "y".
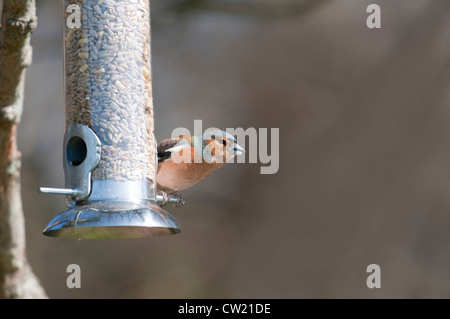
{"x": 18, "y": 20}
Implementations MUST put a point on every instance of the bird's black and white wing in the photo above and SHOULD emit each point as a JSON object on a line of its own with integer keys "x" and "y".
{"x": 169, "y": 145}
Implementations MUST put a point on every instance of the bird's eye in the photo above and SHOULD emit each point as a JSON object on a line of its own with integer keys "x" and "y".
{"x": 224, "y": 142}
{"x": 213, "y": 137}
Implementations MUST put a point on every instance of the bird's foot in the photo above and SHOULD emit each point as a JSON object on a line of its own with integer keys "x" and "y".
{"x": 178, "y": 199}
{"x": 163, "y": 198}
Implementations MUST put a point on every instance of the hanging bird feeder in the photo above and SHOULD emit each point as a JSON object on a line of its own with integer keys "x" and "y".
{"x": 109, "y": 148}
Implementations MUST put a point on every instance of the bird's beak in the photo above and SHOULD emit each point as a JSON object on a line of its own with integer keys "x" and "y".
{"x": 238, "y": 150}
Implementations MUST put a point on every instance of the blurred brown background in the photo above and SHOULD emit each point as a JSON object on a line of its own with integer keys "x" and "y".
{"x": 364, "y": 118}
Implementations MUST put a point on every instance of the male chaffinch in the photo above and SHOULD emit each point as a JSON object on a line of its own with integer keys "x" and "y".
{"x": 186, "y": 160}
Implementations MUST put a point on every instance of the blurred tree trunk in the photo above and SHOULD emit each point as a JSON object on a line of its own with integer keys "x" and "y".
{"x": 18, "y": 20}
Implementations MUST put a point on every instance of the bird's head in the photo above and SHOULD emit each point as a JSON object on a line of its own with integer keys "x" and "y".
{"x": 220, "y": 146}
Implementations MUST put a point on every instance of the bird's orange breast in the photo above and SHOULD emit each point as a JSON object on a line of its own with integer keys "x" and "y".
{"x": 175, "y": 177}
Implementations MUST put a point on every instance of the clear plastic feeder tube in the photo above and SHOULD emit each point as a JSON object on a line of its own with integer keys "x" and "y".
{"x": 110, "y": 150}
{"x": 108, "y": 85}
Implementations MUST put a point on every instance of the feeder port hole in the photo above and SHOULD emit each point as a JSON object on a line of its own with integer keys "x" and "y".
{"x": 76, "y": 151}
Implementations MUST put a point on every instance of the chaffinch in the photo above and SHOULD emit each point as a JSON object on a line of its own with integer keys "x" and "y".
{"x": 186, "y": 160}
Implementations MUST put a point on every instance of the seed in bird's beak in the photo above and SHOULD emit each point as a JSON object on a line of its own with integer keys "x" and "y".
{"x": 238, "y": 150}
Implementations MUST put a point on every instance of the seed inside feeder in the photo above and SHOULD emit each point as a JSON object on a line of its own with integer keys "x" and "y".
{"x": 108, "y": 85}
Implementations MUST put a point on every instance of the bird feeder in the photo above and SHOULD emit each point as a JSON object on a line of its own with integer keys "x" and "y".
{"x": 109, "y": 148}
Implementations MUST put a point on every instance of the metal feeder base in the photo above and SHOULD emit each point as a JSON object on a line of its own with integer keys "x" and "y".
{"x": 112, "y": 221}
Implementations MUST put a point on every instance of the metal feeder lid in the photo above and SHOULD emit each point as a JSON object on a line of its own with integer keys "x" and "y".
{"x": 112, "y": 221}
